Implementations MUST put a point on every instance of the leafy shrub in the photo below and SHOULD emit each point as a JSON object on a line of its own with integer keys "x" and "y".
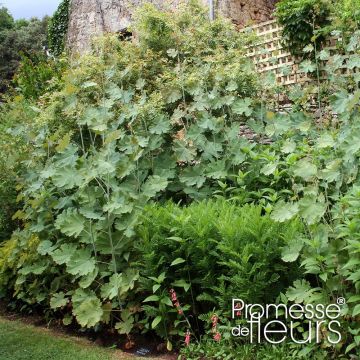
{"x": 323, "y": 166}
{"x": 128, "y": 124}
{"x": 301, "y": 21}
{"x": 36, "y": 74}
{"x": 6, "y": 20}
{"x": 16, "y": 120}
{"x": 14, "y": 254}
{"x": 346, "y": 15}
{"x": 332, "y": 254}
{"x": 316, "y": 165}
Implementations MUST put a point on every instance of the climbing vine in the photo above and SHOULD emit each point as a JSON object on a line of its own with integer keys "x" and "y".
{"x": 58, "y": 27}
{"x": 302, "y": 22}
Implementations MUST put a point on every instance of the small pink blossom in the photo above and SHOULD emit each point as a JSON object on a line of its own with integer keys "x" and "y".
{"x": 187, "y": 338}
{"x": 173, "y": 295}
{"x": 217, "y": 337}
{"x": 176, "y": 302}
{"x": 214, "y": 320}
{"x": 238, "y": 313}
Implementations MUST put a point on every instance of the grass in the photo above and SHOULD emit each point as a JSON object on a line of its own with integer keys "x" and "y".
{"x": 19, "y": 341}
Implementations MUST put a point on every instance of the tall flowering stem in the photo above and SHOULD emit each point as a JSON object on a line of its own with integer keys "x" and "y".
{"x": 238, "y": 313}
{"x": 187, "y": 337}
{"x": 214, "y": 329}
{"x": 176, "y": 304}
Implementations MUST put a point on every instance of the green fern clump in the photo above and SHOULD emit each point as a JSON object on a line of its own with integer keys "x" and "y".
{"x": 214, "y": 251}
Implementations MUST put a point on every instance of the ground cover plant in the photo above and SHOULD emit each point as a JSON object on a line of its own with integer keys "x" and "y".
{"x": 143, "y": 209}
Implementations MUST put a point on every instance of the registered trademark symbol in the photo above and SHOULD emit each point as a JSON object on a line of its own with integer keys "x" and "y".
{"x": 341, "y": 301}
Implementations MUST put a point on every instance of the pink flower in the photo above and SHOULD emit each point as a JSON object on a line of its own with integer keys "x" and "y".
{"x": 173, "y": 295}
{"x": 214, "y": 320}
{"x": 217, "y": 337}
{"x": 187, "y": 338}
{"x": 175, "y": 301}
{"x": 238, "y": 313}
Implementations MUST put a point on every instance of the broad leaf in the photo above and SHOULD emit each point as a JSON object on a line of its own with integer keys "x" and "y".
{"x": 305, "y": 169}
{"x": 242, "y": 107}
{"x": 81, "y": 263}
{"x": 284, "y": 211}
{"x": 70, "y": 222}
{"x": 58, "y": 300}
{"x": 86, "y": 308}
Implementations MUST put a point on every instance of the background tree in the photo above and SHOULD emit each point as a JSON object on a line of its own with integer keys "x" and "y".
{"x": 19, "y": 38}
{"x": 6, "y": 20}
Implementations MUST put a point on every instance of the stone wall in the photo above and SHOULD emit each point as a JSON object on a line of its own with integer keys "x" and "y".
{"x": 90, "y": 18}
{"x": 246, "y": 12}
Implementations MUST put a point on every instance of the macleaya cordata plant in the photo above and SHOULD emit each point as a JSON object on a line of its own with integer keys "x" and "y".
{"x": 312, "y": 174}
{"x": 322, "y": 160}
{"x": 135, "y": 121}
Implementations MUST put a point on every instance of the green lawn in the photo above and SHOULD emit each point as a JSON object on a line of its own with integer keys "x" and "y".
{"x": 24, "y": 342}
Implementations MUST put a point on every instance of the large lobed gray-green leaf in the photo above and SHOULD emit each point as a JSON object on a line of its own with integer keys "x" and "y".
{"x": 70, "y": 222}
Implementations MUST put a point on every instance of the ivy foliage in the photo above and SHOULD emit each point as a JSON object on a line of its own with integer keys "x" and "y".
{"x": 58, "y": 27}
{"x": 303, "y": 21}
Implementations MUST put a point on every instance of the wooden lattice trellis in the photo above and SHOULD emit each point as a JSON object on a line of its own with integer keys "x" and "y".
{"x": 269, "y": 55}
